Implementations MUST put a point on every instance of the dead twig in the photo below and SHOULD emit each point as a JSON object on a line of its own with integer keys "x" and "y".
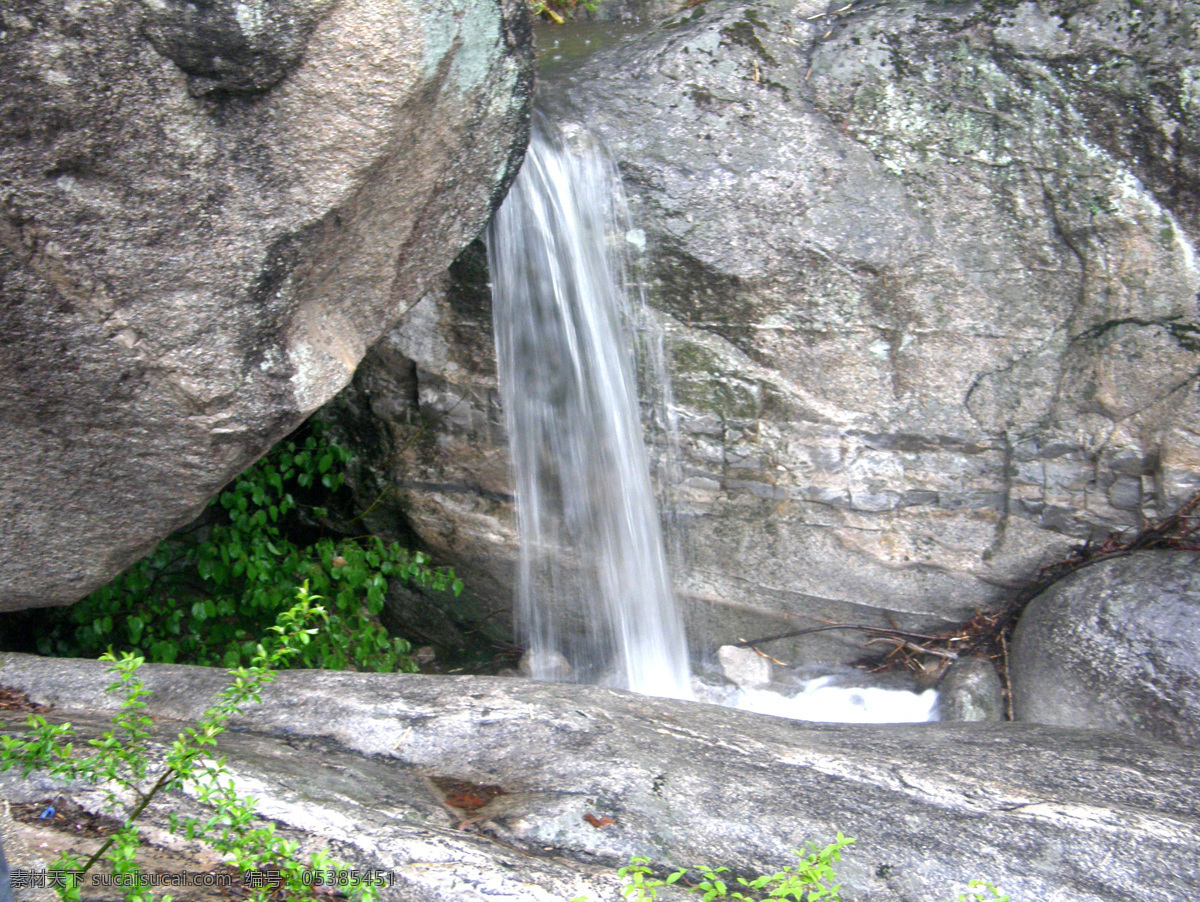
{"x": 753, "y": 643}
{"x": 1008, "y": 697}
{"x": 913, "y": 646}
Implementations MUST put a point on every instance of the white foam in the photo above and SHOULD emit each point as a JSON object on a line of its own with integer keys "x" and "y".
{"x": 818, "y": 700}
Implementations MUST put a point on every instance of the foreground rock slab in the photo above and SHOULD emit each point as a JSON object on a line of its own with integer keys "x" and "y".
{"x": 207, "y": 213}
{"x": 354, "y": 757}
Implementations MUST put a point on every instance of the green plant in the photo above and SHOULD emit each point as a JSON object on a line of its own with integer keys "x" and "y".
{"x": 204, "y": 593}
{"x": 640, "y": 883}
{"x": 976, "y": 890}
{"x": 1098, "y": 204}
{"x": 554, "y": 9}
{"x": 811, "y": 879}
{"x": 123, "y": 766}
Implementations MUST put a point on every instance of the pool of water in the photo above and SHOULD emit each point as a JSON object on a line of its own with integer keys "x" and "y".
{"x": 562, "y": 47}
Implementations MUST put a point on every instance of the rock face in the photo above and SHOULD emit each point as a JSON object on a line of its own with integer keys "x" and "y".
{"x": 931, "y": 806}
{"x": 1115, "y": 646}
{"x": 929, "y": 283}
{"x": 207, "y": 213}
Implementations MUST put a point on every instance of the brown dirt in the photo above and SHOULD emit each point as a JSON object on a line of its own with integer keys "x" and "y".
{"x": 66, "y": 827}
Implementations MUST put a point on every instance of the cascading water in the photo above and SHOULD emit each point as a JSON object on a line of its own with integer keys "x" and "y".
{"x": 594, "y": 600}
{"x": 593, "y": 583}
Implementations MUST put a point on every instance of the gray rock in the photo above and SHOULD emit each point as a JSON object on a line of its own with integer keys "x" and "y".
{"x": 5, "y": 876}
{"x": 744, "y": 666}
{"x": 928, "y": 279}
{"x": 970, "y": 691}
{"x": 367, "y": 811}
{"x": 208, "y": 211}
{"x": 1115, "y": 646}
{"x": 553, "y": 664}
{"x": 346, "y": 756}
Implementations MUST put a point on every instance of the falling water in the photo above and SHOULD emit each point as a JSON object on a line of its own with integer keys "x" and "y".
{"x": 594, "y": 599}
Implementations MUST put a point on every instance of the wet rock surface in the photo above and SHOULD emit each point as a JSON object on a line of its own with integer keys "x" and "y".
{"x": 352, "y": 758}
{"x": 228, "y": 46}
{"x": 970, "y": 691}
{"x": 207, "y": 213}
{"x": 928, "y": 279}
{"x": 1115, "y": 646}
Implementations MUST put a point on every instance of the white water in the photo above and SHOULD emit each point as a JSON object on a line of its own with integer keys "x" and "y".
{"x": 593, "y": 583}
{"x": 821, "y": 700}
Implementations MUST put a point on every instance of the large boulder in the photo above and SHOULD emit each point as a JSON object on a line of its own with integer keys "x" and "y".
{"x": 208, "y": 212}
{"x": 361, "y": 760}
{"x": 928, "y": 275}
{"x": 1115, "y": 646}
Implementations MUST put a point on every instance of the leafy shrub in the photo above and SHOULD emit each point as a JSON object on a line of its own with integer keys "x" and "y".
{"x": 129, "y": 775}
{"x": 812, "y": 879}
{"x": 809, "y": 880}
{"x": 559, "y": 10}
{"x": 206, "y": 592}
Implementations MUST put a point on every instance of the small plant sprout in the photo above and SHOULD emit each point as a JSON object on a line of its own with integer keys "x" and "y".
{"x": 640, "y": 883}
{"x": 812, "y": 879}
{"x": 983, "y": 891}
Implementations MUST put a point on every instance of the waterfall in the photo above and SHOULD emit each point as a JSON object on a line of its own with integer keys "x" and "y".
{"x": 594, "y": 600}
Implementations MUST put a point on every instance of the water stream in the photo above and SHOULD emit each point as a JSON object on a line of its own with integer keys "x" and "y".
{"x": 594, "y": 600}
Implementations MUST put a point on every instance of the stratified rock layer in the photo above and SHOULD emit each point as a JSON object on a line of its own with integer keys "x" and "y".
{"x": 207, "y": 213}
{"x": 1033, "y": 809}
{"x": 1115, "y": 646}
{"x": 929, "y": 283}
